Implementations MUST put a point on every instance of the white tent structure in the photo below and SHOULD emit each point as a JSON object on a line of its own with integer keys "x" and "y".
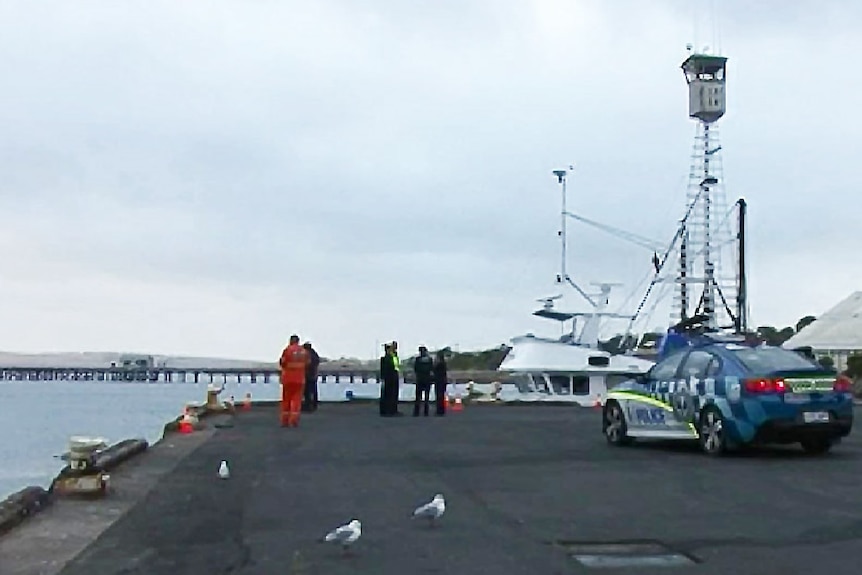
{"x": 837, "y": 333}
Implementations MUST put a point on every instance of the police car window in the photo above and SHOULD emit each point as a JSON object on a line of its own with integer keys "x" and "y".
{"x": 714, "y": 367}
{"x": 767, "y": 359}
{"x": 666, "y": 369}
{"x": 696, "y": 364}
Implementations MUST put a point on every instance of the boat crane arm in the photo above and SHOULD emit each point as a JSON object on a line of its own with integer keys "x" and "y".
{"x": 651, "y": 245}
{"x": 580, "y": 290}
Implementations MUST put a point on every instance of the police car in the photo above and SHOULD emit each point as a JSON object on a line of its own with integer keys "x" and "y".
{"x": 726, "y": 394}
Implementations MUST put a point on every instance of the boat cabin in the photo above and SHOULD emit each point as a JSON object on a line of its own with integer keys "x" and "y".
{"x": 551, "y": 370}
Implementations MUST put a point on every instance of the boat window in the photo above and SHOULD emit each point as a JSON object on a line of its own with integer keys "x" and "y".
{"x": 561, "y": 384}
{"x": 666, "y": 369}
{"x": 540, "y": 382}
{"x": 523, "y": 382}
{"x": 580, "y": 384}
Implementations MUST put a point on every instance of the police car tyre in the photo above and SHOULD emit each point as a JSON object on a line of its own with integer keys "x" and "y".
{"x": 614, "y": 425}
{"x": 711, "y": 433}
{"x": 816, "y": 445}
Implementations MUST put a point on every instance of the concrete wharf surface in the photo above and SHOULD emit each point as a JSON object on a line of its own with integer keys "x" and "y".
{"x": 520, "y": 482}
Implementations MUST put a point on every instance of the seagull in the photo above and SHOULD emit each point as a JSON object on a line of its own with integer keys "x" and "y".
{"x": 346, "y": 535}
{"x": 433, "y": 510}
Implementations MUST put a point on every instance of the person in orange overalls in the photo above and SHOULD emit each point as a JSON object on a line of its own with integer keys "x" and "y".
{"x": 293, "y": 361}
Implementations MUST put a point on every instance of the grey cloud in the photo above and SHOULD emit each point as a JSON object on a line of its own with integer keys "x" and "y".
{"x": 366, "y": 151}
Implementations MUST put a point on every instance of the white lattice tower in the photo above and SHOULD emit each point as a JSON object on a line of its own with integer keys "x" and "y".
{"x": 705, "y": 280}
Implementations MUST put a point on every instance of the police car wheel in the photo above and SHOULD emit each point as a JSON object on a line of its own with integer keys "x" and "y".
{"x": 711, "y": 432}
{"x": 614, "y": 426}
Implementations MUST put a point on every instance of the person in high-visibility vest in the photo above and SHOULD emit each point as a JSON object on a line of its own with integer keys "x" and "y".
{"x": 293, "y": 362}
{"x": 389, "y": 378}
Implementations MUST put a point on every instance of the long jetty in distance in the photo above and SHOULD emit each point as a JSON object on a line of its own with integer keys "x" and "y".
{"x": 255, "y": 374}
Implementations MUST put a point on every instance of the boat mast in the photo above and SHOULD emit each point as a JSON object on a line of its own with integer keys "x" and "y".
{"x": 561, "y": 179}
{"x": 742, "y": 287}
{"x": 563, "y": 276}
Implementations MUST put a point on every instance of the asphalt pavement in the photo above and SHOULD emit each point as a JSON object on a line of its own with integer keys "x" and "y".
{"x": 529, "y": 490}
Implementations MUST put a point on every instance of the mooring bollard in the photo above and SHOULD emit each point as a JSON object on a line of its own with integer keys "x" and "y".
{"x": 213, "y": 392}
{"x": 89, "y": 462}
{"x": 83, "y": 476}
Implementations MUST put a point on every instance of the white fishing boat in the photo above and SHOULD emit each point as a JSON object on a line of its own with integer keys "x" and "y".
{"x": 556, "y": 371}
{"x": 572, "y": 368}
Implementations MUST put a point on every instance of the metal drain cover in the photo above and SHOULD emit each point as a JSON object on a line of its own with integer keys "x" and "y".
{"x": 626, "y": 554}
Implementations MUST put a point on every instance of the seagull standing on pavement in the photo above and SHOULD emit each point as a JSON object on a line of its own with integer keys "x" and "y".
{"x": 433, "y": 510}
{"x": 346, "y": 535}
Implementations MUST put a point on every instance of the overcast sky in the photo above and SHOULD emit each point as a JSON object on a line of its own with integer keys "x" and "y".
{"x": 207, "y": 178}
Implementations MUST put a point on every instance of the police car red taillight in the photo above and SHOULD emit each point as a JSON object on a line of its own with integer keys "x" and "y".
{"x": 765, "y": 385}
{"x": 842, "y": 384}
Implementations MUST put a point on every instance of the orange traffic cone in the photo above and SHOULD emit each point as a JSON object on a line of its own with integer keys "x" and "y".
{"x": 186, "y": 424}
{"x": 446, "y": 402}
{"x": 246, "y": 404}
{"x": 458, "y": 405}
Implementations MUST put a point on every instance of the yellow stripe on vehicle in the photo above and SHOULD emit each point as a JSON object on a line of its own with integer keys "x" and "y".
{"x": 649, "y": 401}
{"x": 642, "y": 398}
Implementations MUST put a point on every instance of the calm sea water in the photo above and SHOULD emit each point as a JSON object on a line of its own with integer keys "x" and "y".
{"x": 38, "y": 417}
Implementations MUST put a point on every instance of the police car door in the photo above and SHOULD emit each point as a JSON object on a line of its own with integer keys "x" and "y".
{"x": 651, "y": 416}
{"x": 694, "y": 384}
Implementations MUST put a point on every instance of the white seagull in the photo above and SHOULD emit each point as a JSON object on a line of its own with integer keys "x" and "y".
{"x": 433, "y": 510}
{"x": 346, "y": 535}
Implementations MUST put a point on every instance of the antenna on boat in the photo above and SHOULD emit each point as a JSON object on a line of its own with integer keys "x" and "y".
{"x": 598, "y": 302}
{"x": 563, "y": 276}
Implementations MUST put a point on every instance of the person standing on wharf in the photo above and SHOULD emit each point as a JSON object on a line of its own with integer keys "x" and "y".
{"x": 423, "y": 368}
{"x": 441, "y": 377}
{"x": 293, "y": 362}
{"x": 309, "y": 394}
{"x": 389, "y": 378}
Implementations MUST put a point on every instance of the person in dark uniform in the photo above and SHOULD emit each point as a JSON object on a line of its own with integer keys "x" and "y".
{"x": 441, "y": 378}
{"x": 389, "y": 378}
{"x": 383, "y": 378}
{"x": 310, "y": 398}
{"x": 423, "y": 368}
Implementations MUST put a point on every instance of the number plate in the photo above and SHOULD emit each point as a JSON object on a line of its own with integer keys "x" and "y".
{"x": 816, "y": 417}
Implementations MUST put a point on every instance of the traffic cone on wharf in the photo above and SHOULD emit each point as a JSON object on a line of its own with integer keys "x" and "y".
{"x": 187, "y": 421}
{"x": 458, "y": 405}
